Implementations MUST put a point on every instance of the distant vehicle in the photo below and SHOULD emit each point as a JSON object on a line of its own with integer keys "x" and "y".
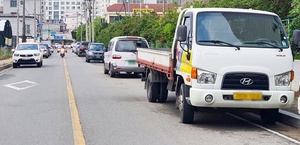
{"x": 95, "y": 51}
{"x": 27, "y": 53}
{"x": 62, "y": 53}
{"x": 121, "y": 55}
{"x": 48, "y": 43}
{"x": 45, "y": 50}
{"x": 62, "y": 47}
{"x": 80, "y": 51}
{"x": 57, "y": 45}
{"x": 75, "y": 46}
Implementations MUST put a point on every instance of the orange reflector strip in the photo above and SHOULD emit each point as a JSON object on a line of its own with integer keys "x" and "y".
{"x": 292, "y": 75}
{"x": 194, "y": 73}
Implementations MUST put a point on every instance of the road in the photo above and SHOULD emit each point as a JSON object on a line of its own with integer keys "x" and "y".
{"x": 69, "y": 101}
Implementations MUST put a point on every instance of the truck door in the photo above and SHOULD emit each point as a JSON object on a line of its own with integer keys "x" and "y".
{"x": 184, "y": 51}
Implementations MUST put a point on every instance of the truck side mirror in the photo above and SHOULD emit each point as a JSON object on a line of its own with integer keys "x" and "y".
{"x": 296, "y": 40}
{"x": 181, "y": 33}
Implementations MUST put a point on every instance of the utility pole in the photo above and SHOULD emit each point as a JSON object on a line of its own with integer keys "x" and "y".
{"x": 93, "y": 26}
{"x": 86, "y": 22}
{"x": 129, "y": 8}
{"x": 23, "y": 32}
{"x": 18, "y": 21}
{"x": 34, "y": 20}
{"x": 90, "y": 20}
{"x": 164, "y": 6}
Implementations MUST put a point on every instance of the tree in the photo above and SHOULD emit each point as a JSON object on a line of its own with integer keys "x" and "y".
{"x": 295, "y": 13}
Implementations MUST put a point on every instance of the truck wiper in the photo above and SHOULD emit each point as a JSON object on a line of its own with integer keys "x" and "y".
{"x": 220, "y": 42}
{"x": 261, "y": 42}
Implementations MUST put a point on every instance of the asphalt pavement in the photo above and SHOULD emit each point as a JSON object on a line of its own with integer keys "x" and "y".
{"x": 285, "y": 117}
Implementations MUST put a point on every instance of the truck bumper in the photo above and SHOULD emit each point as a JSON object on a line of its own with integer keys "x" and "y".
{"x": 224, "y": 98}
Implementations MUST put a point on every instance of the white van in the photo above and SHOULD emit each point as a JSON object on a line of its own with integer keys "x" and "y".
{"x": 120, "y": 55}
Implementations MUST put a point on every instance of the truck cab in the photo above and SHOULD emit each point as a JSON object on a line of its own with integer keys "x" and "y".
{"x": 240, "y": 58}
{"x": 225, "y": 58}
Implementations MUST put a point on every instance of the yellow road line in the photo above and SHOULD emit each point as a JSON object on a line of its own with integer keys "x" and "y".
{"x": 77, "y": 129}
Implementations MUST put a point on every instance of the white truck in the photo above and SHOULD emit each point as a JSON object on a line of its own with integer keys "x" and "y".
{"x": 223, "y": 58}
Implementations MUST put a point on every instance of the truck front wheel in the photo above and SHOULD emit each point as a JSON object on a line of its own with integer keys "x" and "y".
{"x": 186, "y": 111}
{"x": 152, "y": 89}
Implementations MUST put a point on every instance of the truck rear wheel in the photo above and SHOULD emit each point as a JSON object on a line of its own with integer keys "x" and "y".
{"x": 163, "y": 93}
{"x": 152, "y": 89}
{"x": 186, "y": 111}
{"x": 269, "y": 116}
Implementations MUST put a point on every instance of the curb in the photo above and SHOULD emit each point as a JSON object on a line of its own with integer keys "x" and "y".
{"x": 289, "y": 118}
{"x": 5, "y": 66}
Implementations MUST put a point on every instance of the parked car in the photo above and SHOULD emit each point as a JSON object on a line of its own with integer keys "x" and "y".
{"x": 48, "y": 44}
{"x": 45, "y": 50}
{"x": 95, "y": 51}
{"x": 27, "y": 53}
{"x": 75, "y": 46}
{"x": 80, "y": 51}
{"x": 121, "y": 55}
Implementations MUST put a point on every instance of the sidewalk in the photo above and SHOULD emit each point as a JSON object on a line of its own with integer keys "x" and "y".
{"x": 285, "y": 117}
{"x": 6, "y": 63}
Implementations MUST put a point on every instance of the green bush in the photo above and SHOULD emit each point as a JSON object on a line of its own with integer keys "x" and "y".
{"x": 5, "y": 53}
{"x": 297, "y": 56}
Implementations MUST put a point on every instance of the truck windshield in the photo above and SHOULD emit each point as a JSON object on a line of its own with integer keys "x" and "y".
{"x": 241, "y": 30}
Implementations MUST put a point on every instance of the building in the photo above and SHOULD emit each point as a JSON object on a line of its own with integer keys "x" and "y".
{"x": 13, "y": 11}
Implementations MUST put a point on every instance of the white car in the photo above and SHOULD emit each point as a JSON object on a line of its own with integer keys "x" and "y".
{"x": 120, "y": 55}
{"x": 27, "y": 53}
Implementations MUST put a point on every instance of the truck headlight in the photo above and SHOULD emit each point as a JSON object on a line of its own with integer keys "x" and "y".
{"x": 16, "y": 54}
{"x": 205, "y": 77}
{"x": 36, "y": 54}
{"x": 283, "y": 79}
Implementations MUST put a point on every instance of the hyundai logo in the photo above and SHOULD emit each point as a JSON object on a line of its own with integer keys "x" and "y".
{"x": 246, "y": 81}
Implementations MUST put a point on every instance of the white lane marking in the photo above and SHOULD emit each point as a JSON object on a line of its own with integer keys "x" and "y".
{"x": 264, "y": 128}
{"x": 21, "y": 85}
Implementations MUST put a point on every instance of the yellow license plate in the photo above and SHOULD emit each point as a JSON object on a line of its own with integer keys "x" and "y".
{"x": 247, "y": 96}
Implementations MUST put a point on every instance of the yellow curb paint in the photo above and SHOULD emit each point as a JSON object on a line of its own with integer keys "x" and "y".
{"x": 77, "y": 129}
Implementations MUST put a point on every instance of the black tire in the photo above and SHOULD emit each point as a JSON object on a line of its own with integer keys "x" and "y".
{"x": 105, "y": 70}
{"x": 152, "y": 89}
{"x": 87, "y": 60}
{"x": 186, "y": 111}
{"x": 111, "y": 74}
{"x": 163, "y": 93}
{"x": 269, "y": 116}
{"x": 39, "y": 64}
{"x": 15, "y": 65}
